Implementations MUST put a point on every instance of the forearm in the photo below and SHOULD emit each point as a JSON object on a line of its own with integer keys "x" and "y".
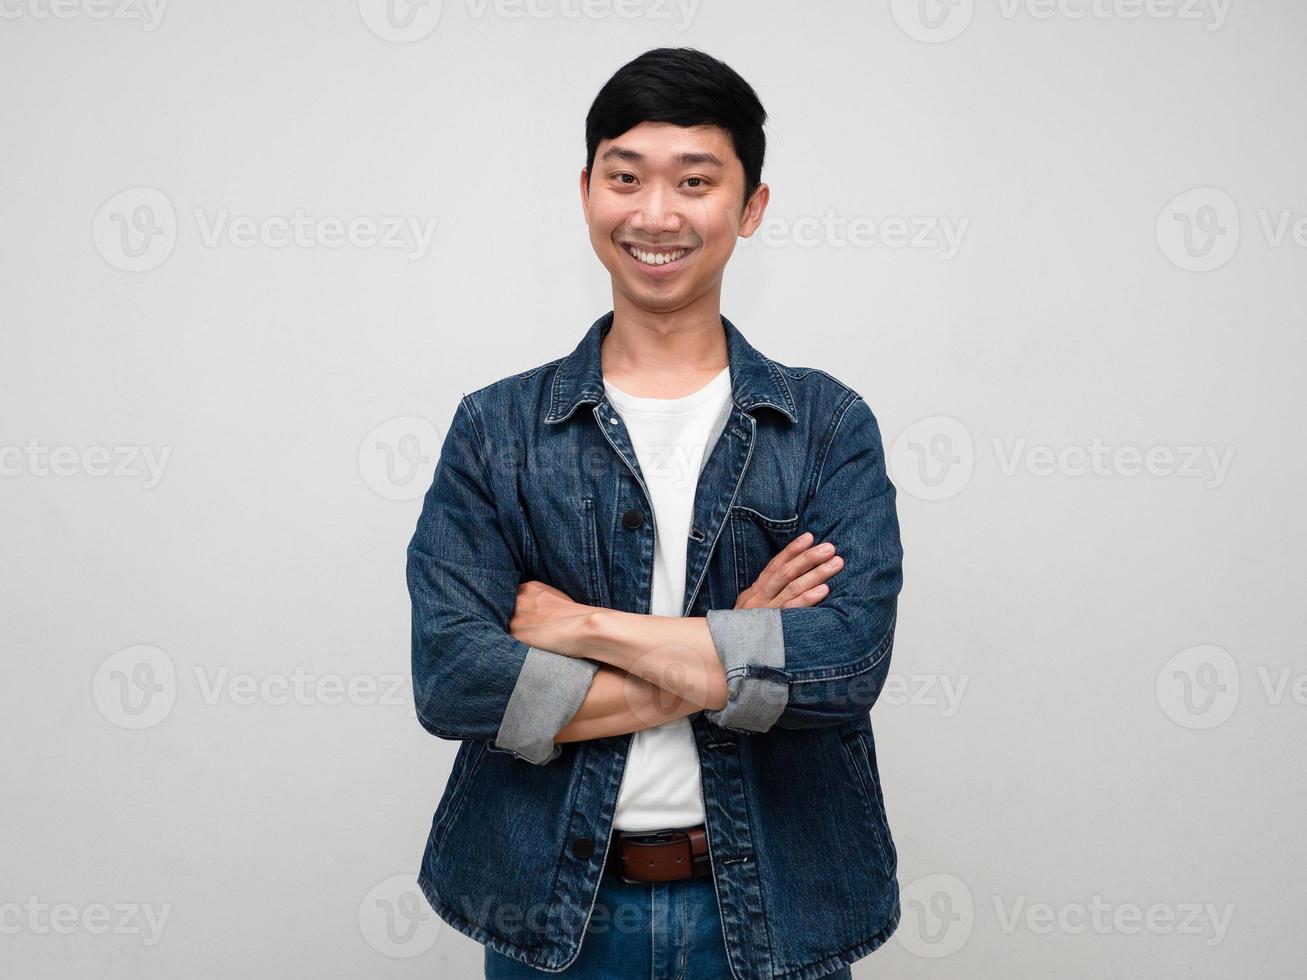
{"x": 674, "y": 653}
{"x": 618, "y": 703}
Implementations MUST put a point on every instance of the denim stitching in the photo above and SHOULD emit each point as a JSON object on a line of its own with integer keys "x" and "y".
{"x": 830, "y": 440}
{"x": 773, "y": 523}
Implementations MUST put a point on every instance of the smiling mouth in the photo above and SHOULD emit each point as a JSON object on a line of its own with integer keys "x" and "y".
{"x": 656, "y": 258}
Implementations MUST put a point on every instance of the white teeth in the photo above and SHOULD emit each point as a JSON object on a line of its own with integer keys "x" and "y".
{"x": 656, "y": 258}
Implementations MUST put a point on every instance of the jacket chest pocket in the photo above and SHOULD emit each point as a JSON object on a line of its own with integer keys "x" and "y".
{"x": 566, "y": 547}
{"x": 592, "y": 555}
{"x": 756, "y": 538}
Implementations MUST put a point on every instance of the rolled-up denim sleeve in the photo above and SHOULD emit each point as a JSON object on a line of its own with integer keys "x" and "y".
{"x": 472, "y": 679}
{"x": 548, "y": 692}
{"x": 824, "y": 664}
{"x": 752, "y": 650}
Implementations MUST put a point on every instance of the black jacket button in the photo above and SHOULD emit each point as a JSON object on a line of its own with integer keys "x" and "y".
{"x": 632, "y": 519}
{"x": 583, "y": 847}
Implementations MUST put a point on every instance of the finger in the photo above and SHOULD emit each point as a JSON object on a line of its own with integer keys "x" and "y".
{"x": 807, "y": 590}
{"x": 809, "y": 598}
{"x": 780, "y": 573}
{"x": 796, "y": 546}
{"x": 813, "y": 577}
{"x": 772, "y": 571}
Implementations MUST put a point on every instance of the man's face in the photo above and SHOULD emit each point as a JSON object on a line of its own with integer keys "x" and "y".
{"x": 674, "y": 195}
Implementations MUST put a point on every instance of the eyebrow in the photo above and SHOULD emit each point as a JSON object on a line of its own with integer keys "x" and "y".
{"x": 688, "y": 159}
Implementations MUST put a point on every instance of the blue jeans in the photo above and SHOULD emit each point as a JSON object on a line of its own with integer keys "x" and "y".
{"x": 663, "y": 931}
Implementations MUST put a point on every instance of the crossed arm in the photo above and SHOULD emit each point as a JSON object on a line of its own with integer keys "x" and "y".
{"x": 618, "y": 703}
{"x": 678, "y": 674}
{"x": 770, "y": 661}
{"x": 655, "y": 669}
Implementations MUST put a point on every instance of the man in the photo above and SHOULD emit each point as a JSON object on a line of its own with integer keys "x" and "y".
{"x": 628, "y": 610}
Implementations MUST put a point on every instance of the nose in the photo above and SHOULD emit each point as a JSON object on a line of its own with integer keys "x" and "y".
{"x": 658, "y": 214}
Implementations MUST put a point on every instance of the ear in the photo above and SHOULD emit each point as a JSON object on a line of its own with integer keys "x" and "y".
{"x": 585, "y": 196}
{"x": 754, "y": 210}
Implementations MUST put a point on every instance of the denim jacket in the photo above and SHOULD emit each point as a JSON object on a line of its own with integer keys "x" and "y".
{"x": 537, "y": 479}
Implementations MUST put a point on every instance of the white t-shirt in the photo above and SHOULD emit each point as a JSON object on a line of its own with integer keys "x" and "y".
{"x": 660, "y": 788}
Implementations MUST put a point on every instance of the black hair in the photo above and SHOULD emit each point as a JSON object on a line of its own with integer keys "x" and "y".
{"x": 685, "y": 87}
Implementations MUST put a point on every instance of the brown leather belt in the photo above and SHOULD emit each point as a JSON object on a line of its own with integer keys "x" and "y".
{"x": 659, "y": 855}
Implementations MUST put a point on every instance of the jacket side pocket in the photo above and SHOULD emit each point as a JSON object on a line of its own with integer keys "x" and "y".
{"x": 459, "y": 779}
{"x": 855, "y": 747}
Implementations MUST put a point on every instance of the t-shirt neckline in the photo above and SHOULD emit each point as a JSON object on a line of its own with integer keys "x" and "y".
{"x": 643, "y": 405}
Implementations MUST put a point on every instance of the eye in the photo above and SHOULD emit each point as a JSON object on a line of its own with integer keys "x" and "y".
{"x": 700, "y": 179}
{"x": 620, "y": 179}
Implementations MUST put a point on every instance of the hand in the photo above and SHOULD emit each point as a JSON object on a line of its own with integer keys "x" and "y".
{"x": 794, "y": 578}
{"x": 546, "y": 617}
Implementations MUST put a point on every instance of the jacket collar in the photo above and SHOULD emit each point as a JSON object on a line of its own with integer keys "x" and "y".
{"x": 755, "y": 380}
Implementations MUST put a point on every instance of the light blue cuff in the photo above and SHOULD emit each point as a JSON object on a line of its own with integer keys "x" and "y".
{"x": 751, "y": 645}
{"x": 549, "y": 690}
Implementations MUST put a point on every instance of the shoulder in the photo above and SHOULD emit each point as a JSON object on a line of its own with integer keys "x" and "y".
{"x": 514, "y": 383}
{"x": 822, "y": 396}
{"x": 514, "y": 394}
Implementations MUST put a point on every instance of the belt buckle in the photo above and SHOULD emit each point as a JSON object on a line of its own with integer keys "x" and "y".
{"x": 649, "y": 838}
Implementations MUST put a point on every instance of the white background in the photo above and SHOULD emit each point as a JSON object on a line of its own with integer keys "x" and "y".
{"x": 1089, "y": 753}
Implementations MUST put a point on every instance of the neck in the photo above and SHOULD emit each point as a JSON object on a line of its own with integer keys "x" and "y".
{"x": 663, "y": 355}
